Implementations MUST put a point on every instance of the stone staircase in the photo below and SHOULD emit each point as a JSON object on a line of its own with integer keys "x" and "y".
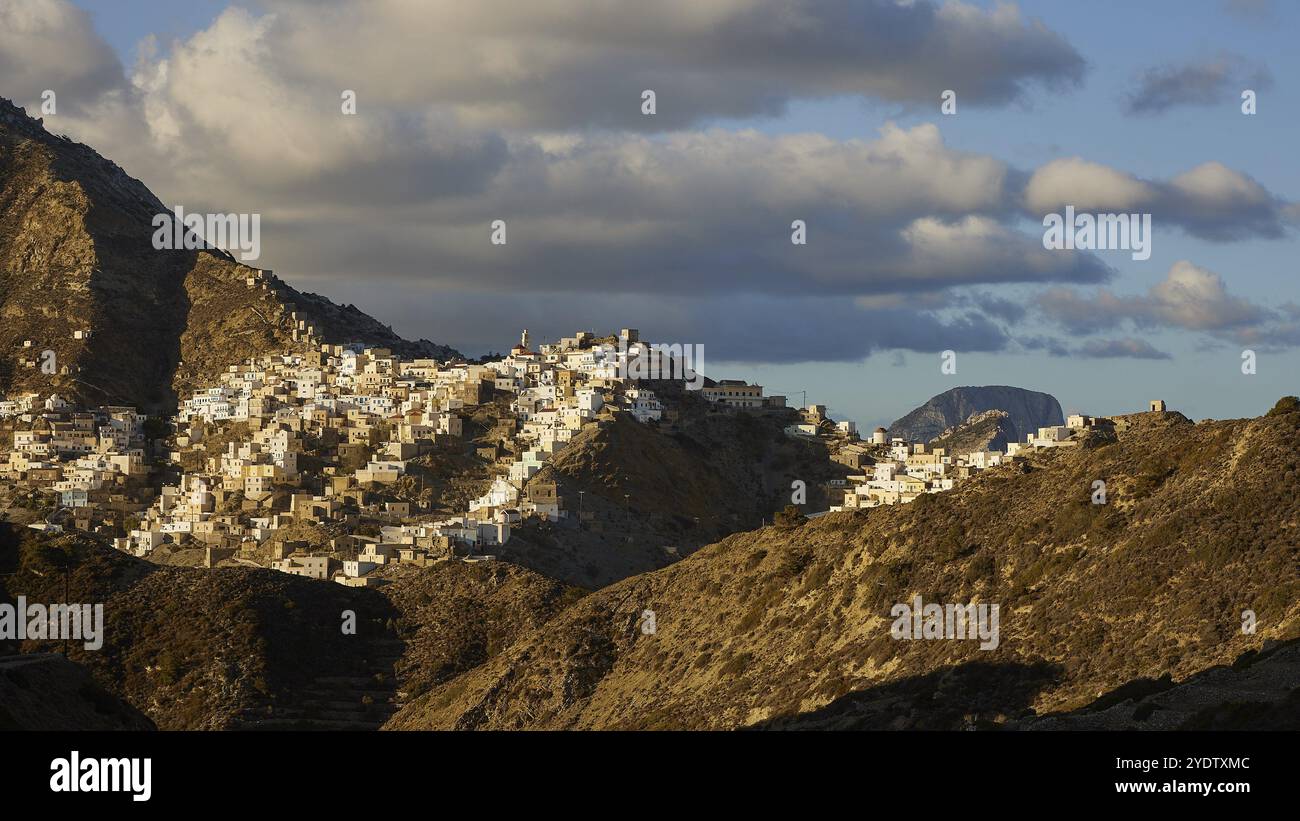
{"x": 362, "y": 700}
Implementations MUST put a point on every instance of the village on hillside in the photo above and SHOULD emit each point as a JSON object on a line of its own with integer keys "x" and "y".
{"x": 897, "y": 471}
{"x": 326, "y": 439}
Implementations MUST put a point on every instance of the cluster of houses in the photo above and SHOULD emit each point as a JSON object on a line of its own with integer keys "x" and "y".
{"x": 89, "y": 465}
{"x": 903, "y": 471}
{"x": 325, "y": 437}
{"x": 898, "y": 471}
{"x": 320, "y": 436}
{"x": 813, "y": 422}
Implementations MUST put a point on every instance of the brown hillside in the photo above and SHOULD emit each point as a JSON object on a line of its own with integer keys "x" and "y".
{"x": 646, "y": 488}
{"x": 238, "y": 648}
{"x": 764, "y": 627}
{"x": 45, "y": 691}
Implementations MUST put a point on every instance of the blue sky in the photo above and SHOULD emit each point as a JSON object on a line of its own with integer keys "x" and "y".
{"x": 1090, "y": 121}
{"x": 124, "y": 23}
{"x": 1118, "y": 42}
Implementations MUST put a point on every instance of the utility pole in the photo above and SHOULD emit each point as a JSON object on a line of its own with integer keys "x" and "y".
{"x": 66, "y": 604}
{"x": 803, "y": 397}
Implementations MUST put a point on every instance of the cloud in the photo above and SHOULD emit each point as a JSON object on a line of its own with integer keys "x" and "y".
{"x": 1088, "y": 186}
{"x": 50, "y": 44}
{"x": 1050, "y": 344}
{"x": 571, "y": 64}
{"x": 229, "y": 121}
{"x": 1207, "y": 81}
{"x": 1210, "y": 201}
{"x": 683, "y": 213}
{"x": 740, "y": 328}
{"x": 1094, "y": 348}
{"x": 1004, "y": 309}
{"x": 243, "y": 116}
{"x": 468, "y": 113}
{"x": 1189, "y": 297}
{"x": 1121, "y": 348}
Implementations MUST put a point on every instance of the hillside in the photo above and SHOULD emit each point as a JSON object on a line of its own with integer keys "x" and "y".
{"x": 786, "y": 626}
{"x": 243, "y": 648}
{"x": 76, "y": 255}
{"x": 990, "y": 430}
{"x": 45, "y": 691}
{"x": 645, "y": 489}
{"x": 1026, "y": 412}
{"x": 1260, "y": 690}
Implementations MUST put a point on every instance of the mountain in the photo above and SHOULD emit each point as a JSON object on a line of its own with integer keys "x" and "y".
{"x": 790, "y": 626}
{"x": 1027, "y": 411}
{"x": 990, "y": 430}
{"x": 79, "y": 276}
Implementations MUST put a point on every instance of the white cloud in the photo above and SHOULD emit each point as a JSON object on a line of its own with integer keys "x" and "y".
{"x": 51, "y": 44}
{"x": 1190, "y": 297}
{"x": 1085, "y": 185}
{"x": 1195, "y": 298}
{"x": 469, "y": 112}
{"x": 1210, "y": 201}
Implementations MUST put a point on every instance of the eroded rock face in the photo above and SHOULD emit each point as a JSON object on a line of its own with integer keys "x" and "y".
{"x": 79, "y": 276}
{"x": 990, "y": 430}
{"x": 1026, "y": 411}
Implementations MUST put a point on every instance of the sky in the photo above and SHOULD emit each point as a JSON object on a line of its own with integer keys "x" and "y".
{"x": 924, "y": 229}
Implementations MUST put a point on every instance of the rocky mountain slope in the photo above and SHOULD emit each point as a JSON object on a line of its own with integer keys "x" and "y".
{"x": 1260, "y": 690}
{"x": 990, "y": 430}
{"x": 648, "y": 495}
{"x": 79, "y": 276}
{"x": 788, "y": 627}
{"x": 1027, "y": 411}
{"x": 251, "y": 649}
{"x": 45, "y": 691}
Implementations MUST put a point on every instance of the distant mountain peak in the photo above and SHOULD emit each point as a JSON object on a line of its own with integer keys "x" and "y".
{"x": 1026, "y": 412}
